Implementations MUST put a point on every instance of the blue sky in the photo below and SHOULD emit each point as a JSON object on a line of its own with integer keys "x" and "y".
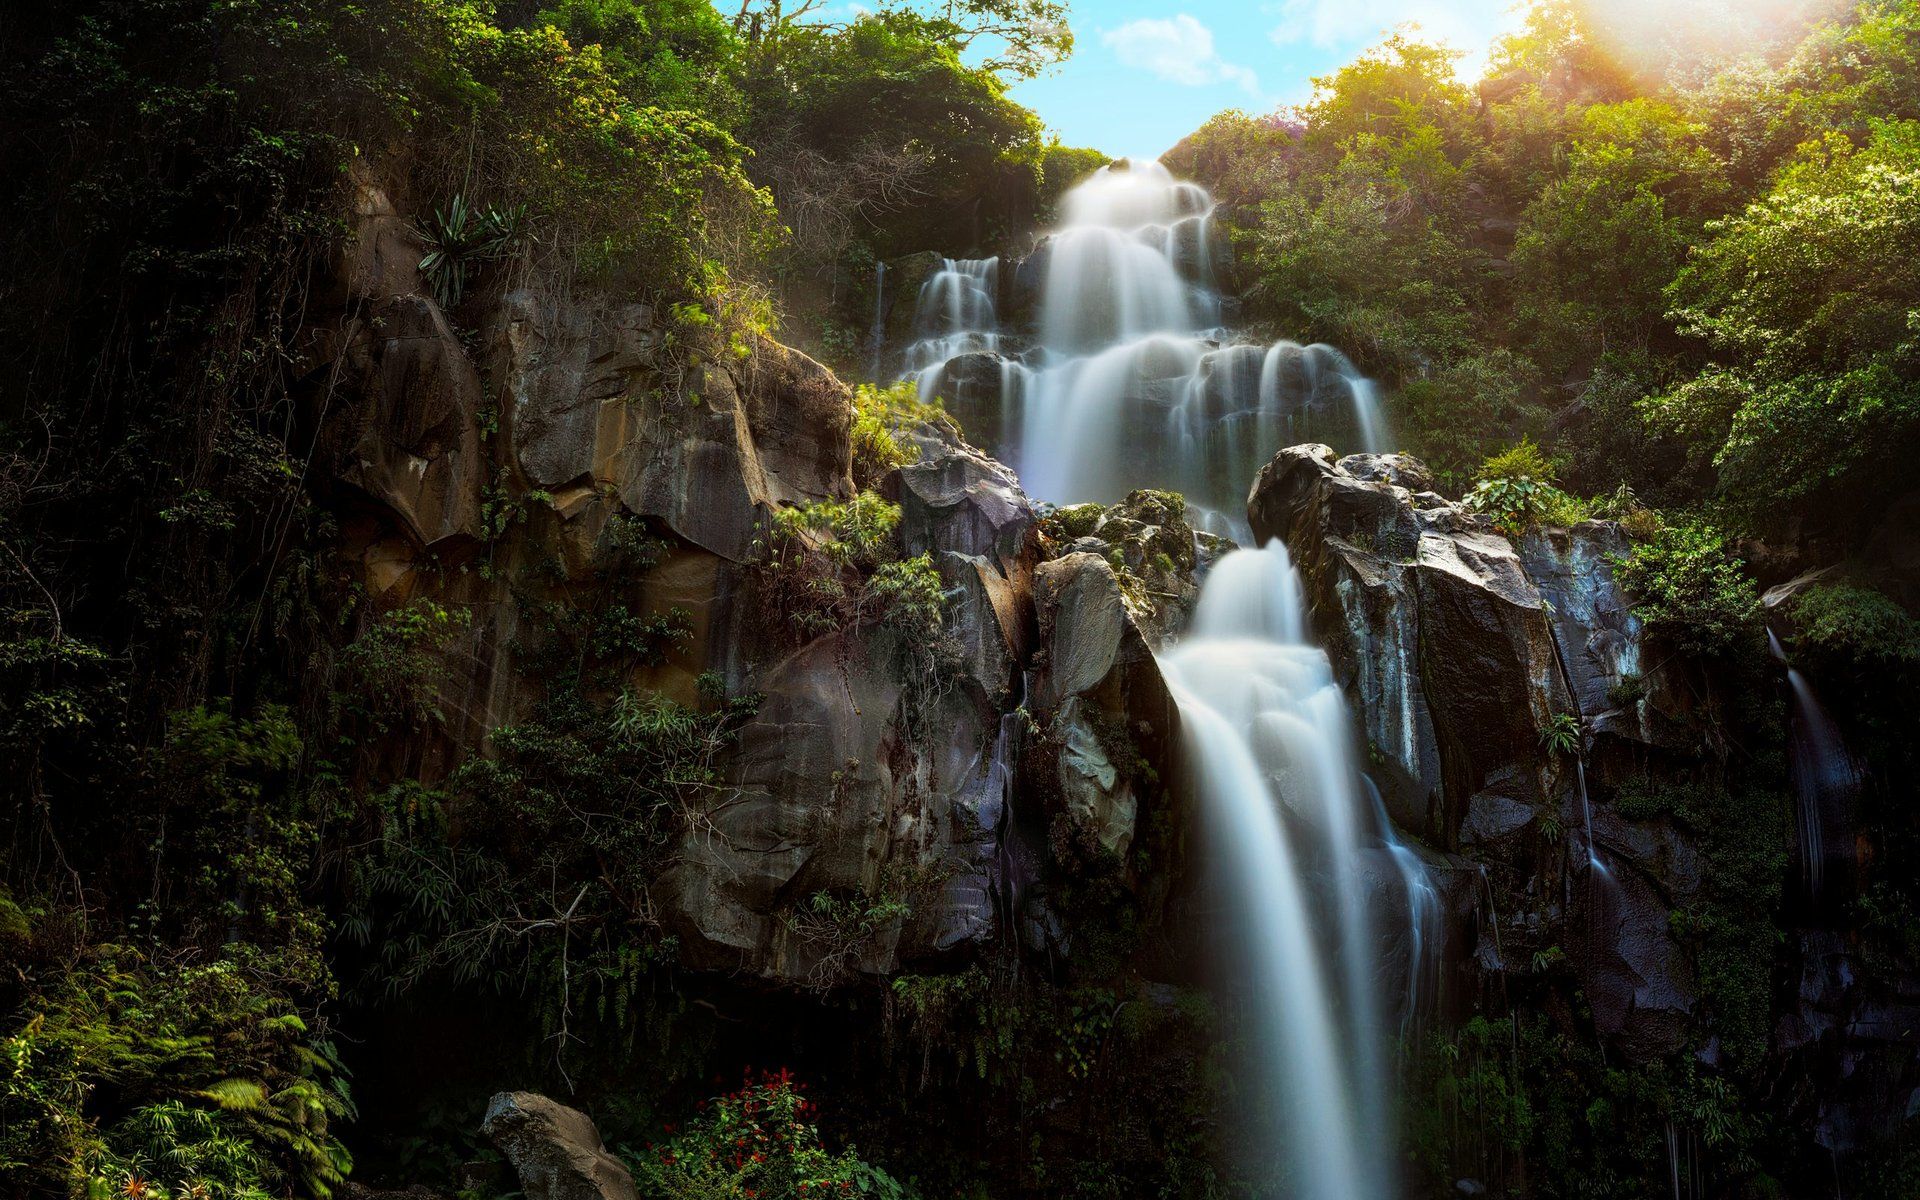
{"x": 1145, "y": 73}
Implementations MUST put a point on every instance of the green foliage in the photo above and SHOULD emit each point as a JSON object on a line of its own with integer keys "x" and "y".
{"x": 1360, "y": 247}
{"x": 459, "y": 239}
{"x": 883, "y": 419}
{"x": 1856, "y": 625}
{"x": 847, "y": 121}
{"x": 1599, "y": 243}
{"x": 1689, "y": 588}
{"x": 1513, "y": 1097}
{"x": 833, "y": 565}
{"x": 1515, "y": 488}
{"x": 127, "y": 1069}
{"x": 757, "y": 1142}
{"x": 677, "y": 54}
{"x": 1232, "y": 155}
{"x": 392, "y": 672}
{"x": 1561, "y": 735}
{"x": 539, "y": 859}
{"x": 1602, "y": 224}
{"x": 1809, "y": 296}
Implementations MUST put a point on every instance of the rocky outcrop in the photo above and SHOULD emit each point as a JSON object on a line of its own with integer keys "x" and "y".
{"x": 885, "y": 775}
{"x": 1111, "y": 722}
{"x": 1463, "y": 651}
{"x": 596, "y": 403}
{"x": 555, "y": 1150}
{"x": 1433, "y": 626}
{"x": 863, "y": 821}
{"x": 1153, "y": 550}
{"x": 410, "y": 440}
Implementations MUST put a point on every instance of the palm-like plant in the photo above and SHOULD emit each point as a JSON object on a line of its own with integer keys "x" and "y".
{"x": 460, "y": 238}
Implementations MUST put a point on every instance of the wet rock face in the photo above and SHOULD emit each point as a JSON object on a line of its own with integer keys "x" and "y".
{"x": 593, "y": 403}
{"x": 878, "y": 772}
{"x": 1432, "y": 624}
{"x": 1848, "y": 1038}
{"x": 406, "y": 434}
{"x": 873, "y": 775}
{"x": 1110, "y": 721}
{"x": 980, "y": 392}
{"x": 1458, "y": 648}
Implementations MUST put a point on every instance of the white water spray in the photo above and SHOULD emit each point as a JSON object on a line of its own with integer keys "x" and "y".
{"x": 1293, "y": 833}
{"x": 1132, "y": 381}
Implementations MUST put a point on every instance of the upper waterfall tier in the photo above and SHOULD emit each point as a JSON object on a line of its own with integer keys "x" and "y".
{"x": 1124, "y": 377}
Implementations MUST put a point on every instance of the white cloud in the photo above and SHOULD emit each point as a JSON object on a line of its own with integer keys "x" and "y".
{"x": 1463, "y": 24}
{"x": 1178, "y": 49}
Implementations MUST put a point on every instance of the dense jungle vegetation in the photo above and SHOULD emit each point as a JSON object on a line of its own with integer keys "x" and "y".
{"x": 1663, "y": 280}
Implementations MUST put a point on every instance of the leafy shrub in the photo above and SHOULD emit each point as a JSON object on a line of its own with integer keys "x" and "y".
{"x": 1689, "y": 588}
{"x": 757, "y": 1142}
{"x": 833, "y": 565}
{"x": 1856, "y": 624}
{"x": 1515, "y": 488}
{"x": 141, "y": 1073}
{"x": 1561, "y": 735}
{"x": 881, "y": 418}
{"x": 460, "y": 238}
{"x": 554, "y": 838}
{"x": 394, "y": 669}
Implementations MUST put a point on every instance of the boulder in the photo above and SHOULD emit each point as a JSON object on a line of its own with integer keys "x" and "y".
{"x": 956, "y": 500}
{"x": 1433, "y": 626}
{"x": 1111, "y": 724}
{"x": 555, "y": 1149}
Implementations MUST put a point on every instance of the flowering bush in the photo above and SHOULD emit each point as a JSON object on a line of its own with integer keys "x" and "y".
{"x": 757, "y": 1143}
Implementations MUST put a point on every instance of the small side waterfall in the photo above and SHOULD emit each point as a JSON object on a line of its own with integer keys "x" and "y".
{"x": 1822, "y": 772}
{"x": 957, "y": 314}
{"x": 877, "y": 332}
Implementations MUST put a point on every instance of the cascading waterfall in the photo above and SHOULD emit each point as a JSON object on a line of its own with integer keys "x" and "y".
{"x": 956, "y": 314}
{"x": 1133, "y": 384}
{"x": 1131, "y": 381}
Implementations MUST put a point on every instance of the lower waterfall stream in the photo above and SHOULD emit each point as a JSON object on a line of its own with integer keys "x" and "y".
{"x": 1133, "y": 384}
{"x": 1268, "y": 735}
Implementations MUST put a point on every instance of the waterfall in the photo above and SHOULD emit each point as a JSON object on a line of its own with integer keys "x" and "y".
{"x": 1822, "y": 773}
{"x": 956, "y": 314}
{"x": 1131, "y": 381}
{"x": 1293, "y": 833}
{"x": 877, "y": 333}
{"x": 1132, "y": 384}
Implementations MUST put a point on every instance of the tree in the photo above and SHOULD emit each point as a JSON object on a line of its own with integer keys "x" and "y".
{"x": 1808, "y": 298}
